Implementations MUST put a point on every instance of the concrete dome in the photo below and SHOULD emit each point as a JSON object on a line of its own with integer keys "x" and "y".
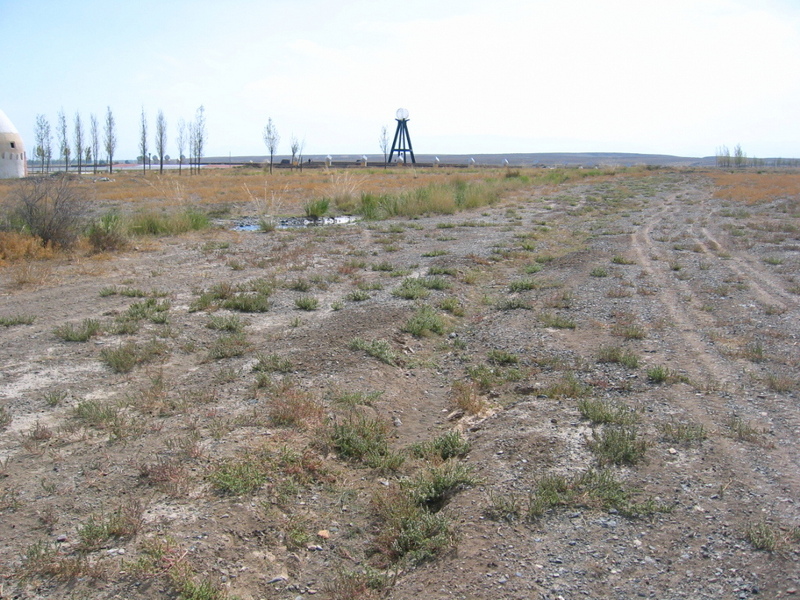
{"x": 13, "y": 162}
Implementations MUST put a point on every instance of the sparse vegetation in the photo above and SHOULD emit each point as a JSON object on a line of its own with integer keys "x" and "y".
{"x": 337, "y": 450}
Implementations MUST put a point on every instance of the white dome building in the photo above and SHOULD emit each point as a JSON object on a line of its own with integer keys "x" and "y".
{"x": 13, "y": 163}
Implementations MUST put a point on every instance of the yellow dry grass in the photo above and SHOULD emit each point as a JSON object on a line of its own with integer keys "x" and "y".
{"x": 19, "y": 246}
{"x": 751, "y": 187}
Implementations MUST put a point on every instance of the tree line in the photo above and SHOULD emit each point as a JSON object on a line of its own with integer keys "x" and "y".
{"x": 94, "y": 147}
{"x": 739, "y": 159}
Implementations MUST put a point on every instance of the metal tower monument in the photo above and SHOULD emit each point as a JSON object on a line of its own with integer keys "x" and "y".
{"x": 402, "y": 140}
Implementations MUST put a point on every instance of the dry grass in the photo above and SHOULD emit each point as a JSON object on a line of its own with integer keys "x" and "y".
{"x": 753, "y": 187}
{"x": 18, "y": 246}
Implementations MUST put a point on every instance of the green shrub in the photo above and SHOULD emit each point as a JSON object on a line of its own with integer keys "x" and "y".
{"x": 604, "y": 412}
{"x": 434, "y": 486}
{"x": 81, "y": 333}
{"x": 448, "y": 445}
{"x": 617, "y": 354}
{"x": 107, "y": 233}
{"x": 425, "y": 322}
{"x": 229, "y": 346}
{"x": 411, "y": 289}
{"x": 360, "y": 438}
{"x": 306, "y": 303}
{"x": 315, "y": 209}
{"x": 618, "y": 445}
{"x": 379, "y": 349}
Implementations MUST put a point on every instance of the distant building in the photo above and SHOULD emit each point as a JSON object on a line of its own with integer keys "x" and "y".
{"x": 13, "y": 162}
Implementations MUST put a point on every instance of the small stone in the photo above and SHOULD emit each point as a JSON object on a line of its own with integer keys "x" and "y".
{"x": 324, "y": 534}
{"x": 314, "y": 547}
{"x": 672, "y": 451}
{"x": 62, "y": 538}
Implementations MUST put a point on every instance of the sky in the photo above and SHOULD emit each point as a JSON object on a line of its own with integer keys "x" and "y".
{"x": 681, "y": 77}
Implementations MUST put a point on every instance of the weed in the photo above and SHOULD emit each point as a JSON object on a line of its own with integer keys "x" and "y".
{"x": 434, "y": 253}
{"x": 356, "y": 398}
{"x": 683, "y": 433}
{"x": 315, "y": 209}
{"x": 411, "y": 289}
{"x": 754, "y": 352}
{"x": 522, "y": 285}
{"x": 380, "y": 349}
{"x": 123, "y": 358}
{"x": 96, "y": 414}
{"x": 351, "y": 585}
{"x": 82, "y": 333}
{"x": 48, "y": 560}
{"x": 762, "y": 536}
{"x": 122, "y": 524}
{"x": 239, "y": 476}
{"x": 621, "y": 260}
{"x": 107, "y": 234}
{"x": 308, "y": 303}
{"x": 272, "y": 363}
{"x": 532, "y": 269}
{"x": 556, "y": 321}
{"x": 229, "y": 346}
{"x": 250, "y": 303}
{"x": 16, "y": 320}
{"x": 780, "y": 383}
{"x": 230, "y": 323}
{"x": 598, "y": 272}
{"x": 407, "y": 530}
{"x": 384, "y": 266}
{"x": 513, "y": 304}
{"x": 743, "y": 430}
{"x": 617, "y": 445}
{"x": 448, "y": 445}
{"x": 360, "y": 438}
{"x": 502, "y": 358}
{"x": 5, "y": 417}
{"x": 773, "y": 260}
{"x": 425, "y": 322}
{"x": 55, "y": 397}
{"x": 629, "y": 331}
{"x": 569, "y": 386}
{"x": 617, "y": 354}
{"x": 434, "y": 486}
{"x": 662, "y": 374}
{"x": 502, "y": 507}
{"x": 452, "y": 305}
{"x": 465, "y": 396}
{"x": 597, "y": 489}
{"x": 357, "y": 296}
{"x": 291, "y": 407}
{"x": 601, "y": 412}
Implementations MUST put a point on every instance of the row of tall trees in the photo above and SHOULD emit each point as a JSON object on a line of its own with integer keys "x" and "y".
{"x": 739, "y": 159}
{"x": 83, "y": 147}
{"x": 85, "y": 144}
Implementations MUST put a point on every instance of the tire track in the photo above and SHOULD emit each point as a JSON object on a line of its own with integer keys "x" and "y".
{"x": 765, "y": 286}
{"x": 703, "y": 364}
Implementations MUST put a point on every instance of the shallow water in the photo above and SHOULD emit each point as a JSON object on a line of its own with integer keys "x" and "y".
{"x": 295, "y": 222}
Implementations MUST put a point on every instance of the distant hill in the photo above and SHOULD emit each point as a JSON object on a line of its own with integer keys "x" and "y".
{"x": 544, "y": 159}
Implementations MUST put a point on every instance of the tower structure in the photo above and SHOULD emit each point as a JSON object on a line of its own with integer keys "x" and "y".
{"x": 13, "y": 162}
{"x": 402, "y": 140}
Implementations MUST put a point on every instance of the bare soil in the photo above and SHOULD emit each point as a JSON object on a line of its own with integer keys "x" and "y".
{"x": 652, "y": 263}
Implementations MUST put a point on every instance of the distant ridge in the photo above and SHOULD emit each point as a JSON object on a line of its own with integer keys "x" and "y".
{"x": 544, "y": 159}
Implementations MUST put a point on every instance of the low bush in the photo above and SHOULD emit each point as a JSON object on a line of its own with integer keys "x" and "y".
{"x": 50, "y": 209}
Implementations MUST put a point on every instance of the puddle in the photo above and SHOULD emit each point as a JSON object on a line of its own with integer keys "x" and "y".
{"x": 252, "y": 224}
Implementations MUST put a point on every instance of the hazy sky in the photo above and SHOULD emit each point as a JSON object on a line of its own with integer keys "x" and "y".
{"x": 477, "y": 76}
